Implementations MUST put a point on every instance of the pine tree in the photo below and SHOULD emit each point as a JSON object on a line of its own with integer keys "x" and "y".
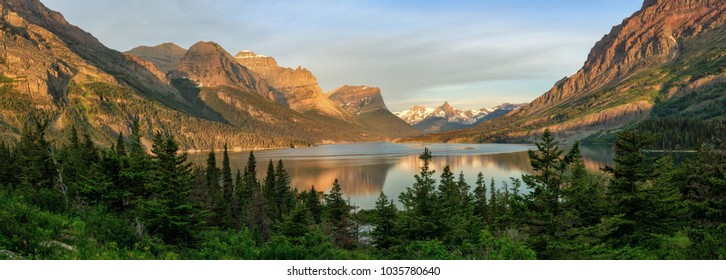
{"x": 632, "y": 169}
{"x": 296, "y": 223}
{"x": 338, "y": 217}
{"x": 248, "y": 183}
{"x": 8, "y": 167}
{"x": 384, "y": 233}
{"x": 481, "y": 207}
{"x": 258, "y": 219}
{"x": 230, "y": 210}
{"x": 283, "y": 190}
{"x": 419, "y": 203}
{"x": 493, "y": 203}
{"x": 217, "y": 202}
{"x": 271, "y": 193}
{"x": 34, "y": 160}
{"x": 139, "y": 163}
{"x": 168, "y": 211}
{"x": 311, "y": 198}
{"x": 120, "y": 146}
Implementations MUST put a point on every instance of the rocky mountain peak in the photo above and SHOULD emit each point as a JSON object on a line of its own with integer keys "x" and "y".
{"x": 358, "y": 99}
{"x": 448, "y": 110}
{"x": 165, "y": 56}
{"x": 650, "y": 37}
{"x": 299, "y": 86}
{"x": 210, "y": 65}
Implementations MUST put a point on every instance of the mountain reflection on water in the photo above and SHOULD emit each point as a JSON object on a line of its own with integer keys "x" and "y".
{"x": 364, "y": 170}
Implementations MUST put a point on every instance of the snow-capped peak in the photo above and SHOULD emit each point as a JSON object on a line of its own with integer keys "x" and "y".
{"x": 450, "y": 114}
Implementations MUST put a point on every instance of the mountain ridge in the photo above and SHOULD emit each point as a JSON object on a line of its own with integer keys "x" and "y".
{"x": 446, "y": 117}
{"x": 658, "y": 54}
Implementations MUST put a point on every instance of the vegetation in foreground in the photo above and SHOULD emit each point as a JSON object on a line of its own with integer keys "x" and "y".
{"x": 76, "y": 201}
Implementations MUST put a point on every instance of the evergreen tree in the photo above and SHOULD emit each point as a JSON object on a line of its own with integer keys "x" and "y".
{"x": 481, "y": 207}
{"x": 229, "y": 209}
{"x": 419, "y": 203}
{"x": 139, "y": 163}
{"x": 258, "y": 218}
{"x": 8, "y": 166}
{"x": 297, "y": 223}
{"x": 283, "y": 190}
{"x": 384, "y": 233}
{"x": 632, "y": 169}
{"x": 217, "y": 202}
{"x": 311, "y": 198}
{"x": 248, "y": 184}
{"x": 120, "y": 146}
{"x": 90, "y": 152}
{"x": 168, "y": 211}
{"x": 453, "y": 211}
{"x": 212, "y": 172}
{"x": 548, "y": 167}
{"x": 338, "y": 217}
{"x": 493, "y": 203}
{"x": 227, "y": 183}
{"x": 106, "y": 187}
{"x": 34, "y": 159}
{"x": 271, "y": 193}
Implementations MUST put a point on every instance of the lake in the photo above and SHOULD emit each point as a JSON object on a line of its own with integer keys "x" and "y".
{"x": 364, "y": 170}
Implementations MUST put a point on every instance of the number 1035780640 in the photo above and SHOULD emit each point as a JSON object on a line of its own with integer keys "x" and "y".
{"x": 409, "y": 270}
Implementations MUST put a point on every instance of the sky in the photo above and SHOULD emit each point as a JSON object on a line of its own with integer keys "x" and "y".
{"x": 474, "y": 54}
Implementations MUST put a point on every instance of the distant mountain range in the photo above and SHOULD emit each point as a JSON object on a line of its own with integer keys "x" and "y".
{"x": 667, "y": 61}
{"x": 446, "y": 117}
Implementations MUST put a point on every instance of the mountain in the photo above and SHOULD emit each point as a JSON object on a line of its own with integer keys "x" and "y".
{"x": 446, "y": 117}
{"x": 667, "y": 60}
{"x": 209, "y": 65}
{"x": 498, "y": 111}
{"x": 299, "y": 86}
{"x": 366, "y": 104}
{"x": 54, "y": 71}
{"x": 165, "y": 56}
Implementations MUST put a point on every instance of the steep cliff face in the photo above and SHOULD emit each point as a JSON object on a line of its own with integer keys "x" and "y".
{"x": 649, "y": 38}
{"x": 358, "y": 99}
{"x": 299, "y": 86}
{"x": 165, "y": 56}
{"x": 209, "y": 65}
{"x": 667, "y": 48}
{"x": 366, "y": 104}
{"x": 87, "y": 47}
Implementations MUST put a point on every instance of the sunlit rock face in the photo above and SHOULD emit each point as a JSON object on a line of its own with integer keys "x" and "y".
{"x": 299, "y": 86}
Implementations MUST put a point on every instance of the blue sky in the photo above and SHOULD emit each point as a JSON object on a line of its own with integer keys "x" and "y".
{"x": 473, "y": 54}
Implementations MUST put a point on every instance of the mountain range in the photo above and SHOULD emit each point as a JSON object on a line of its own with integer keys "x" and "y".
{"x": 446, "y": 117}
{"x": 666, "y": 61}
{"x": 55, "y": 71}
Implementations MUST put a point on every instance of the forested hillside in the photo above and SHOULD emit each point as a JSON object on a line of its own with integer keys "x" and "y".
{"x": 74, "y": 200}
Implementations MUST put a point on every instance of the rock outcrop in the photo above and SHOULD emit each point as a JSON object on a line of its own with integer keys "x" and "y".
{"x": 299, "y": 86}
{"x": 366, "y": 104}
{"x": 358, "y": 99}
{"x": 209, "y": 65}
{"x": 165, "y": 56}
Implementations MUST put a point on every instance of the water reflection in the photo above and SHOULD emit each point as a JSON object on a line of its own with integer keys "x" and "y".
{"x": 367, "y": 169}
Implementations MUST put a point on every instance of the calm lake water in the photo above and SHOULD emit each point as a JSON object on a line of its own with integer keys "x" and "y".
{"x": 364, "y": 170}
